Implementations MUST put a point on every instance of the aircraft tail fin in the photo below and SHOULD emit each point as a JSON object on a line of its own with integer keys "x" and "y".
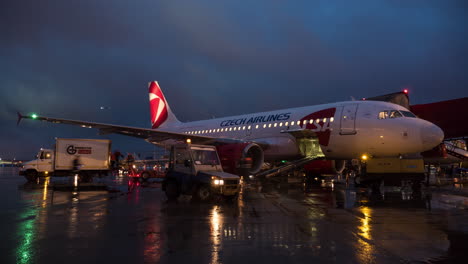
{"x": 161, "y": 114}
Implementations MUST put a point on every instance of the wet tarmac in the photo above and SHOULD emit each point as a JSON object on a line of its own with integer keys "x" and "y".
{"x": 121, "y": 221}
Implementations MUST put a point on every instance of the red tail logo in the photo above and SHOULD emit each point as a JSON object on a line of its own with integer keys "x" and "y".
{"x": 158, "y": 108}
{"x": 321, "y": 124}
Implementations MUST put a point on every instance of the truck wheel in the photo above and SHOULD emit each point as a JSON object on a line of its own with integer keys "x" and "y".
{"x": 204, "y": 192}
{"x": 145, "y": 176}
{"x": 172, "y": 190}
{"x": 31, "y": 176}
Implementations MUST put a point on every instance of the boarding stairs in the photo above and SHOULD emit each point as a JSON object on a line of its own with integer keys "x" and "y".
{"x": 455, "y": 151}
{"x": 286, "y": 168}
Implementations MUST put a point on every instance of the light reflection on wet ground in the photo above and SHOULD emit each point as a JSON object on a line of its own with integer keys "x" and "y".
{"x": 133, "y": 223}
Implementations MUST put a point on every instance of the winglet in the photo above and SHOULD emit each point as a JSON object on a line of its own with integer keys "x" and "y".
{"x": 20, "y": 116}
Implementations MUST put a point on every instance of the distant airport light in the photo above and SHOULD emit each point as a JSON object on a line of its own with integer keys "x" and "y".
{"x": 33, "y": 116}
{"x": 364, "y": 157}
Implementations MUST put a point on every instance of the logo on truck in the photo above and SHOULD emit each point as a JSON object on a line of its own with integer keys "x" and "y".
{"x": 72, "y": 150}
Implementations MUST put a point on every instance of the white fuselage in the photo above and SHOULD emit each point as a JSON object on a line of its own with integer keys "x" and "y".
{"x": 345, "y": 130}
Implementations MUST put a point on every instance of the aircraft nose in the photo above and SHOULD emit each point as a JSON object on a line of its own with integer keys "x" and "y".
{"x": 431, "y": 135}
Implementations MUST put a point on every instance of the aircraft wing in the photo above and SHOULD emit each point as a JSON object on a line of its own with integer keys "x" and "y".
{"x": 150, "y": 135}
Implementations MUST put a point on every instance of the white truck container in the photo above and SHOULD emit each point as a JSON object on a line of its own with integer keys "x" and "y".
{"x": 93, "y": 154}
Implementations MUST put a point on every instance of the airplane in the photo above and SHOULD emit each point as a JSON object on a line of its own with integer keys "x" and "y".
{"x": 332, "y": 132}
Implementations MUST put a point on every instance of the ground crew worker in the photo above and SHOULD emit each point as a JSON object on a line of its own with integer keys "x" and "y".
{"x": 130, "y": 160}
{"x": 112, "y": 161}
{"x": 76, "y": 165}
{"x": 118, "y": 155}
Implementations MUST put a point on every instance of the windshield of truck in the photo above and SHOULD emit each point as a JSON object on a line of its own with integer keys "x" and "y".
{"x": 205, "y": 156}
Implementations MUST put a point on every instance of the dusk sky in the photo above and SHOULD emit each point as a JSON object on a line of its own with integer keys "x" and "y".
{"x": 215, "y": 58}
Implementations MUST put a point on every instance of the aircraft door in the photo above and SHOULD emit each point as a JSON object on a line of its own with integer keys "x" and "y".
{"x": 348, "y": 119}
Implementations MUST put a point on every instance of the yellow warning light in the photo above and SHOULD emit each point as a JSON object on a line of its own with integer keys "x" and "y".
{"x": 189, "y": 141}
{"x": 364, "y": 157}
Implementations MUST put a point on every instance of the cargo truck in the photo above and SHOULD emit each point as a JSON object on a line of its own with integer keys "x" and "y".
{"x": 93, "y": 156}
{"x": 196, "y": 170}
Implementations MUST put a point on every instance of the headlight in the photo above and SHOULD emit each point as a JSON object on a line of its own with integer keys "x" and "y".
{"x": 217, "y": 181}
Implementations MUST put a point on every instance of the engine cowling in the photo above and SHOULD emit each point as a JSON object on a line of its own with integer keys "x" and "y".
{"x": 242, "y": 159}
{"x": 325, "y": 166}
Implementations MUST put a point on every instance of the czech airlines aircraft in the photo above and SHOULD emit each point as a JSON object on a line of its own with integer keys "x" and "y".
{"x": 336, "y": 131}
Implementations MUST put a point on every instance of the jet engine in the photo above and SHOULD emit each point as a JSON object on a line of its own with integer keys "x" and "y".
{"x": 325, "y": 166}
{"x": 241, "y": 158}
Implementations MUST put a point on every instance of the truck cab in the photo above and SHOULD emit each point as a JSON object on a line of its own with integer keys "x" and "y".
{"x": 196, "y": 170}
{"x": 41, "y": 166}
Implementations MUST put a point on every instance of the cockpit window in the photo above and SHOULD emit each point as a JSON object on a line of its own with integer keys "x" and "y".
{"x": 395, "y": 114}
{"x": 407, "y": 114}
{"x": 390, "y": 114}
{"x": 383, "y": 114}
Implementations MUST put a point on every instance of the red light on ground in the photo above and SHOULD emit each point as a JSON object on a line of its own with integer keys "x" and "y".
{"x": 363, "y": 99}
{"x": 405, "y": 91}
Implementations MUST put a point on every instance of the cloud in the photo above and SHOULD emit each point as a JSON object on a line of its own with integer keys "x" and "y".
{"x": 220, "y": 58}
